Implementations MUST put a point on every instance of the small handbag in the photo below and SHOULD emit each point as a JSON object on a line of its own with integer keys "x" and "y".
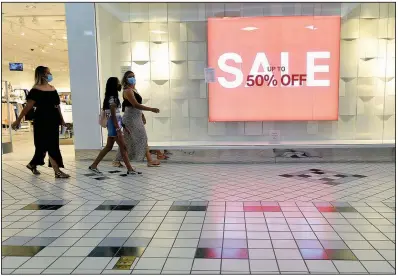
{"x": 102, "y": 119}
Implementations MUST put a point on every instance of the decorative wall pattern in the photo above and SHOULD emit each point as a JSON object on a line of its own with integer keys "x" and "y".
{"x": 165, "y": 44}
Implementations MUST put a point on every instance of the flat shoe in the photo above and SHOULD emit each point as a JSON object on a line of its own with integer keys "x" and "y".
{"x": 33, "y": 169}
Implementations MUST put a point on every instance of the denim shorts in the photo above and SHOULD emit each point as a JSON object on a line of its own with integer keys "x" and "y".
{"x": 111, "y": 127}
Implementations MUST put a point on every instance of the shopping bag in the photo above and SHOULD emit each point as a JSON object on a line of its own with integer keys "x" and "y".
{"x": 102, "y": 119}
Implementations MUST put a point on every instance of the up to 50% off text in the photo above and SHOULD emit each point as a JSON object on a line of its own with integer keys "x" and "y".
{"x": 270, "y": 80}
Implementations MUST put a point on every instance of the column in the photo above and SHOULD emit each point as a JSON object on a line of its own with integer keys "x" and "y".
{"x": 83, "y": 68}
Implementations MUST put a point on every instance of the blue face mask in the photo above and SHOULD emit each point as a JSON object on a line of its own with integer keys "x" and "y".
{"x": 131, "y": 80}
{"x": 49, "y": 78}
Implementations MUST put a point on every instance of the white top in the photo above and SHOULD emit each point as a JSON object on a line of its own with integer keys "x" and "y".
{"x": 112, "y": 101}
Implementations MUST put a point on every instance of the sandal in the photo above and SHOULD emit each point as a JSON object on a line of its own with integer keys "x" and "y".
{"x": 61, "y": 175}
{"x": 94, "y": 170}
{"x": 33, "y": 169}
{"x": 153, "y": 164}
{"x": 162, "y": 157}
{"x": 133, "y": 172}
{"x": 118, "y": 164}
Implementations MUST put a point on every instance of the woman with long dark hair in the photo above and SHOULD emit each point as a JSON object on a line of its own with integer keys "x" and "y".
{"x": 134, "y": 119}
{"x": 111, "y": 107}
{"x": 47, "y": 118}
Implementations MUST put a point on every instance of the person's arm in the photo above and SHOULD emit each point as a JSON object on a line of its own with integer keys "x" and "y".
{"x": 113, "y": 117}
{"x": 130, "y": 96}
{"x": 60, "y": 115}
{"x": 26, "y": 109}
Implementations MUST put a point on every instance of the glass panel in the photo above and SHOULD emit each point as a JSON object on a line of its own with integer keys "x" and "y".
{"x": 166, "y": 45}
{"x": 6, "y": 118}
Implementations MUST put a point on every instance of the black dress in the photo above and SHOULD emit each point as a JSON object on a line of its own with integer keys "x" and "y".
{"x": 46, "y": 126}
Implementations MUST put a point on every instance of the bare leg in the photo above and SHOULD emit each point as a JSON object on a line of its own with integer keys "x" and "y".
{"x": 123, "y": 151}
{"x": 150, "y": 162}
{"x": 106, "y": 150}
{"x": 54, "y": 164}
{"x": 57, "y": 171}
{"x": 148, "y": 155}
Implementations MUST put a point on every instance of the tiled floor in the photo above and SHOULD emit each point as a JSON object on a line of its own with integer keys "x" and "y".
{"x": 200, "y": 219}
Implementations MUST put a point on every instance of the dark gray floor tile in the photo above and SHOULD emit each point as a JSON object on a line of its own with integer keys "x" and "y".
{"x": 44, "y": 202}
{"x": 104, "y": 251}
{"x": 208, "y": 253}
{"x": 130, "y": 251}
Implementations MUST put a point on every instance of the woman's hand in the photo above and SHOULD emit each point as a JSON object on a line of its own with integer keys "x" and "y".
{"x": 126, "y": 130}
{"x": 63, "y": 123}
{"x": 144, "y": 120}
{"x": 15, "y": 124}
{"x": 119, "y": 132}
{"x": 155, "y": 110}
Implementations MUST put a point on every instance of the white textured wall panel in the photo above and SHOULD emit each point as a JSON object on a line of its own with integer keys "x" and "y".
{"x": 370, "y": 10}
{"x": 198, "y": 108}
{"x": 367, "y": 70}
{"x": 140, "y": 51}
{"x": 177, "y": 31}
{"x": 158, "y": 12}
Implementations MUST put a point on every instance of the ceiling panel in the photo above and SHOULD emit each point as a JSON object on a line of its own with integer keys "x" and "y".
{"x": 35, "y": 34}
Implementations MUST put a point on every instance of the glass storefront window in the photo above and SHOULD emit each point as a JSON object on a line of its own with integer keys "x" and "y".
{"x": 166, "y": 45}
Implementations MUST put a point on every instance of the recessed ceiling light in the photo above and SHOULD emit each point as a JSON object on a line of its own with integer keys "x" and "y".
{"x": 15, "y": 44}
{"x": 64, "y": 37}
{"x": 51, "y": 43}
{"x": 249, "y": 28}
{"x": 158, "y": 32}
{"x": 22, "y": 34}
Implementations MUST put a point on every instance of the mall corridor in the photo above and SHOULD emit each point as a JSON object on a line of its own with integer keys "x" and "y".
{"x": 201, "y": 219}
{"x": 277, "y": 120}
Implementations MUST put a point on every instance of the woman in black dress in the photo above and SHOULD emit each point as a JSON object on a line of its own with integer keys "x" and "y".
{"x": 47, "y": 118}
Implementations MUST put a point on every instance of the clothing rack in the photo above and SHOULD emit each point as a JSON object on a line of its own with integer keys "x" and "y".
{"x": 15, "y": 110}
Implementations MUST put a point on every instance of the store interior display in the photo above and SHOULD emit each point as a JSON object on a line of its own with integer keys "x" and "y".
{"x": 17, "y": 101}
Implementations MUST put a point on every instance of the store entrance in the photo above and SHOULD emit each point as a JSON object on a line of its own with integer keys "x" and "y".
{"x": 34, "y": 34}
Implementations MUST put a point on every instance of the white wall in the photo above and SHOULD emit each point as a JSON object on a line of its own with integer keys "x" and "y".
{"x": 25, "y": 79}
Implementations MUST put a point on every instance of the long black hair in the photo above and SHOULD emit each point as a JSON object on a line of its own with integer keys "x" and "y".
{"x": 111, "y": 90}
